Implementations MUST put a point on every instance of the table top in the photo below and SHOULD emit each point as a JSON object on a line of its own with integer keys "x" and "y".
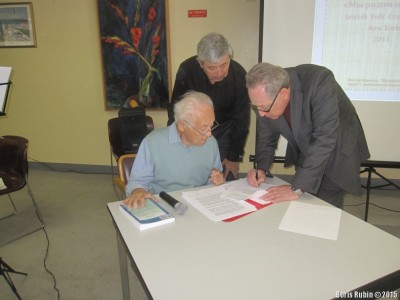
{"x": 251, "y": 258}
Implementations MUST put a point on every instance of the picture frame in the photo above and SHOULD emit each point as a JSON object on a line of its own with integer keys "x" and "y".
{"x": 134, "y": 48}
{"x": 17, "y": 27}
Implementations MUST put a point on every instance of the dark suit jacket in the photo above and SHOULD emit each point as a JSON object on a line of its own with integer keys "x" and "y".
{"x": 326, "y": 136}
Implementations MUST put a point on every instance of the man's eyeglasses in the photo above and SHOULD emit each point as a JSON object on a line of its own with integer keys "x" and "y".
{"x": 204, "y": 133}
{"x": 213, "y": 69}
{"x": 265, "y": 109}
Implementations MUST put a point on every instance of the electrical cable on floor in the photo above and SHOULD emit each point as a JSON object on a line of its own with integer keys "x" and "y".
{"x": 41, "y": 220}
{"x": 65, "y": 170}
{"x": 384, "y": 208}
{"x": 47, "y": 247}
{"x": 373, "y": 204}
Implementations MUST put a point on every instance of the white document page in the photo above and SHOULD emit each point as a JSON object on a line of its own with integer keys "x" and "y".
{"x": 225, "y": 201}
{"x": 310, "y": 219}
{"x": 242, "y": 190}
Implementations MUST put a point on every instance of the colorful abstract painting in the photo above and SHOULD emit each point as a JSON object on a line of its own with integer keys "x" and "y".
{"x": 133, "y": 39}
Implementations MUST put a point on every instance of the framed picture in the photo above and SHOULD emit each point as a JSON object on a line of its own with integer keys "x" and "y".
{"x": 17, "y": 25}
{"x": 133, "y": 37}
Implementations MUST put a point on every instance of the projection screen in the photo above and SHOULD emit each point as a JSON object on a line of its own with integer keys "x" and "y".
{"x": 359, "y": 41}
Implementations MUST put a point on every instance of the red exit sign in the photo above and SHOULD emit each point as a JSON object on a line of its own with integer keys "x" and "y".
{"x": 197, "y": 13}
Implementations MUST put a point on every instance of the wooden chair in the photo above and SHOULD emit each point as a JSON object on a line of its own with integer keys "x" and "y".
{"x": 125, "y": 163}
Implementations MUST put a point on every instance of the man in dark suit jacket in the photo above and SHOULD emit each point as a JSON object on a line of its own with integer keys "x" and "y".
{"x": 326, "y": 142}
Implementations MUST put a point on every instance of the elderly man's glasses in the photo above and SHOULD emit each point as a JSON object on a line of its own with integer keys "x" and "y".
{"x": 265, "y": 109}
{"x": 204, "y": 133}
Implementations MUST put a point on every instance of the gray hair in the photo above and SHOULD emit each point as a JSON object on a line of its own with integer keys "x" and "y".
{"x": 273, "y": 78}
{"x": 187, "y": 106}
{"x": 213, "y": 47}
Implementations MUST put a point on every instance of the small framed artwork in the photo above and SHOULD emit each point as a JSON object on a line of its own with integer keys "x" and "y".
{"x": 17, "y": 27}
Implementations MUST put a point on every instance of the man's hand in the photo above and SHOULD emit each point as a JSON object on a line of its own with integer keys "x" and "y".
{"x": 138, "y": 195}
{"x": 231, "y": 167}
{"x": 280, "y": 193}
{"x": 252, "y": 178}
{"x": 216, "y": 177}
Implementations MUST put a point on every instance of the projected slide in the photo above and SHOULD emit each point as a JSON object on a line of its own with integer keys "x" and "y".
{"x": 360, "y": 42}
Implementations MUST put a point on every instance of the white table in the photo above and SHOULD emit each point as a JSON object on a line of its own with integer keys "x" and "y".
{"x": 250, "y": 258}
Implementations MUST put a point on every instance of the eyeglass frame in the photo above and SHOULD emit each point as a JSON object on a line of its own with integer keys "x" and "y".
{"x": 254, "y": 107}
{"x": 204, "y": 133}
{"x": 213, "y": 69}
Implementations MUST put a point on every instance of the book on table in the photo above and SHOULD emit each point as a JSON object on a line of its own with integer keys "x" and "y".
{"x": 149, "y": 216}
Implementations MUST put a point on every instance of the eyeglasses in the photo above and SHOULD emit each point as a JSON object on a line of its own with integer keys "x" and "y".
{"x": 213, "y": 69}
{"x": 263, "y": 109}
{"x": 204, "y": 133}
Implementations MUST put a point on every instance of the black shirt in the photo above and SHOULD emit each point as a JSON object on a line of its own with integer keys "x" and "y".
{"x": 231, "y": 103}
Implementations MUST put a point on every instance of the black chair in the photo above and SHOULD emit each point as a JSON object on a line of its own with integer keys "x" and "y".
{"x": 114, "y": 136}
{"x": 14, "y": 173}
{"x": 116, "y": 147}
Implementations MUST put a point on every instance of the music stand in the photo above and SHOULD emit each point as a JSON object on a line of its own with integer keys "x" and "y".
{"x": 3, "y": 107}
{"x": 4, "y": 270}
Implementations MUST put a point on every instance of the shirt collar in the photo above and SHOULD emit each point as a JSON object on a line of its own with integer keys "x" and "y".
{"x": 173, "y": 134}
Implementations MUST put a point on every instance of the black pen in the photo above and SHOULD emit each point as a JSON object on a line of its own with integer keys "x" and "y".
{"x": 256, "y": 168}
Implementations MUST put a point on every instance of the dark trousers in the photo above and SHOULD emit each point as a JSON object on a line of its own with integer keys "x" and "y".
{"x": 331, "y": 193}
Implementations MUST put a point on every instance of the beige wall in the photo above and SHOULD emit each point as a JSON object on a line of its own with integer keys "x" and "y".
{"x": 57, "y": 98}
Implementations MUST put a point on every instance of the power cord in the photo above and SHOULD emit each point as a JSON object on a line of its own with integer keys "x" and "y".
{"x": 384, "y": 208}
{"x": 65, "y": 170}
{"x": 48, "y": 244}
{"x": 41, "y": 220}
{"x": 373, "y": 204}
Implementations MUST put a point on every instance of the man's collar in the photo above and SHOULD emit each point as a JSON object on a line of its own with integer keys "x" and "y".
{"x": 173, "y": 136}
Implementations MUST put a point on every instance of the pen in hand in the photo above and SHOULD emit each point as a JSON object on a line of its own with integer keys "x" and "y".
{"x": 256, "y": 168}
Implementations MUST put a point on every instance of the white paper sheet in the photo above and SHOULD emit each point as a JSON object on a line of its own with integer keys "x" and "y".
{"x": 225, "y": 201}
{"x": 244, "y": 191}
{"x": 310, "y": 219}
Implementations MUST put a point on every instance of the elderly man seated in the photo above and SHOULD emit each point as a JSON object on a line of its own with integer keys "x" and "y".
{"x": 182, "y": 155}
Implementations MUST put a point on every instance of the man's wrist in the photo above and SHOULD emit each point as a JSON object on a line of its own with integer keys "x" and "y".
{"x": 297, "y": 191}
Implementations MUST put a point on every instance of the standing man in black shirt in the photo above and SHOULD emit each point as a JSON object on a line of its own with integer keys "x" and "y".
{"x": 213, "y": 72}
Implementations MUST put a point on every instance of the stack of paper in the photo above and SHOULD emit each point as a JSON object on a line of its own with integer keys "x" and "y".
{"x": 226, "y": 201}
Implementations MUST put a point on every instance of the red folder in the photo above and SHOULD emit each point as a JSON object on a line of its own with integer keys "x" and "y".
{"x": 254, "y": 203}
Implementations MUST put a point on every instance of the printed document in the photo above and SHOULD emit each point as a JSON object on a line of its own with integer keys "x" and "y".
{"x": 226, "y": 201}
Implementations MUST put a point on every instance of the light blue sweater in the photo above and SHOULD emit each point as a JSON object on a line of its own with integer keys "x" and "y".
{"x": 164, "y": 163}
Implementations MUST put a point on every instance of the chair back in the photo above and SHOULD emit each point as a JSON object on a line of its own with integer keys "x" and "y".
{"x": 13, "y": 162}
{"x": 125, "y": 164}
{"x": 114, "y": 134}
